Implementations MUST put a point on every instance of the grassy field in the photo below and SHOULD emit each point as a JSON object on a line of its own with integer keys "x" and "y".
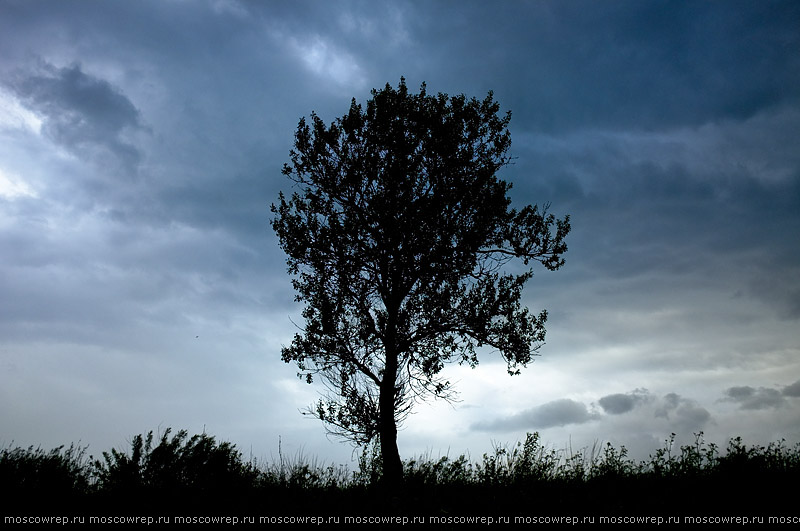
{"x": 175, "y": 473}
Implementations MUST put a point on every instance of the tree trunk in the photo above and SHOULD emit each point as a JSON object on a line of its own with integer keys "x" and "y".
{"x": 392, "y": 465}
{"x": 387, "y": 429}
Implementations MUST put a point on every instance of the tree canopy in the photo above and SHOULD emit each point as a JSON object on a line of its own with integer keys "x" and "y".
{"x": 397, "y": 234}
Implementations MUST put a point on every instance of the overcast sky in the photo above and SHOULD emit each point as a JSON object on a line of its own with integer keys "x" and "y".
{"x": 141, "y": 286}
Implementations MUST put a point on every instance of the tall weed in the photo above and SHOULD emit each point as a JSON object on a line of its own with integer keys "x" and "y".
{"x": 510, "y": 477}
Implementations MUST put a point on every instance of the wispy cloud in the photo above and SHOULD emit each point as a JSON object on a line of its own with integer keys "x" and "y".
{"x": 13, "y": 186}
{"x": 556, "y": 413}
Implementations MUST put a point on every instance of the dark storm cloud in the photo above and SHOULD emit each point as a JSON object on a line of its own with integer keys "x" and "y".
{"x": 619, "y": 403}
{"x": 792, "y": 390}
{"x": 217, "y": 131}
{"x": 620, "y": 64}
{"x": 79, "y": 110}
{"x": 759, "y": 398}
{"x": 685, "y": 414}
{"x": 667, "y": 130}
{"x": 777, "y": 281}
{"x": 556, "y": 413}
{"x": 670, "y": 208}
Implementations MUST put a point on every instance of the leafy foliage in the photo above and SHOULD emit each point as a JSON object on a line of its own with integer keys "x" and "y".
{"x": 61, "y": 471}
{"x": 179, "y": 463}
{"x": 397, "y": 236}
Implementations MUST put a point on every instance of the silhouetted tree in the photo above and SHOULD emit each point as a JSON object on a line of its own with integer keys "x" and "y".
{"x": 396, "y": 236}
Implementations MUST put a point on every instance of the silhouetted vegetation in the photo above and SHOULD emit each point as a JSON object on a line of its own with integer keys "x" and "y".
{"x": 177, "y": 473}
{"x": 397, "y": 235}
{"x": 61, "y": 471}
